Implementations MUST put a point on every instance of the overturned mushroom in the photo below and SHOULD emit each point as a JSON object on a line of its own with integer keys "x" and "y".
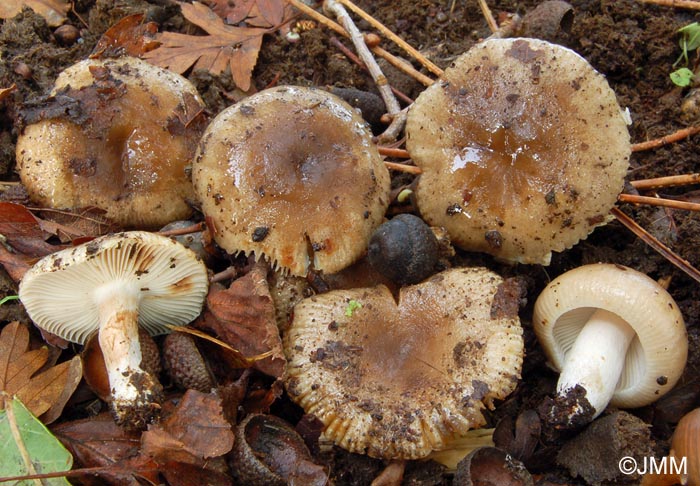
{"x": 615, "y": 335}
{"x": 112, "y": 285}
{"x": 523, "y": 149}
{"x": 116, "y": 134}
{"x": 291, "y": 174}
{"x": 401, "y": 379}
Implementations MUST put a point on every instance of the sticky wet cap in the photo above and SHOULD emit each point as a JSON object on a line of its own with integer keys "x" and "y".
{"x": 523, "y": 148}
{"x": 291, "y": 174}
{"x": 400, "y": 379}
{"x": 116, "y": 134}
{"x": 62, "y": 291}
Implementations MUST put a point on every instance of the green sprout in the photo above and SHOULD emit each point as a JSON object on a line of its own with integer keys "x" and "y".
{"x": 682, "y": 77}
{"x": 690, "y": 41}
{"x": 353, "y": 305}
{"x": 8, "y": 298}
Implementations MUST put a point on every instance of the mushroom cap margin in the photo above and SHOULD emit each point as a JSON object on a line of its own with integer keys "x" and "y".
{"x": 657, "y": 355}
{"x": 401, "y": 380}
{"x": 173, "y": 282}
{"x": 268, "y": 193}
{"x": 523, "y": 148}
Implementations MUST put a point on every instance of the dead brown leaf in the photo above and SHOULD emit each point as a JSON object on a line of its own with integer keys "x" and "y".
{"x": 77, "y": 225}
{"x": 98, "y": 442}
{"x": 243, "y": 316}
{"x": 258, "y": 13}
{"x": 226, "y": 46}
{"x": 44, "y": 393}
{"x": 53, "y": 11}
{"x": 131, "y": 36}
{"x": 195, "y": 431}
{"x": 22, "y": 231}
{"x": 4, "y": 92}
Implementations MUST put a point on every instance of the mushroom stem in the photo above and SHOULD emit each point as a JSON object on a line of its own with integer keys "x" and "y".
{"x": 595, "y": 361}
{"x": 134, "y": 393}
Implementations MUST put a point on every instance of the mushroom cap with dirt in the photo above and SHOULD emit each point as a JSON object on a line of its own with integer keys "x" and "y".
{"x": 616, "y": 336}
{"x": 291, "y": 174}
{"x": 397, "y": 379}
{"x": 523, "y": 149}
{"x": 112, "y": 285}
{"x": 116, "y": 134}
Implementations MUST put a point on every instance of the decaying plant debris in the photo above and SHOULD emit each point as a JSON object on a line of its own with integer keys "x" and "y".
{"x": 632, "y": 43}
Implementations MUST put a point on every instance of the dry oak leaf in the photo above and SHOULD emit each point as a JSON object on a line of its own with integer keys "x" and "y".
{"x": 196, "y": 431}
{"x": 53, "y": 11}
{"x": 258, "y": 13}
{"x": 44, "y": 394}
{"x": 132, "y": 36}
{"x": 243, "y": 316}
{"x": 225, "y": 46}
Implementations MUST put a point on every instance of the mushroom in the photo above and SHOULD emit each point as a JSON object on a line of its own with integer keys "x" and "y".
{"x": 399, "y": 379}
{"x": 292, "y": 174}
{"x": 113, "y": 285}
{"x": 616, "y": 336}
{"x": 523, "y": 149}
{"x": 116, "y": 134}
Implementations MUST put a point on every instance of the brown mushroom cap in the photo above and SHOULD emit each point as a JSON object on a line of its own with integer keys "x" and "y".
{"x": 117, "y": 134}
{"x": 292, "y": 174}
{"x": 523, "y": 148}
{"x": 400, "y": 379}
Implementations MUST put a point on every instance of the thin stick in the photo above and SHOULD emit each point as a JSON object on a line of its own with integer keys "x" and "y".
{"x": 493, "y": 26}
{"x": 390, "y": 58}
{"x": 655, "y": 244}
{"x": 425, "y": 62}
{"x": 673, "y": 137}
{"x": 689, "y": 4}
{"x": 392, "y": 105}
{"x": 657, "y": 201}
{"x": 394, "y": 152}
{"x": 194, "y": 228}
{"x": 409, "y": 169}
{"x": 351, "y": 55}
{"x": 667, "y": 181}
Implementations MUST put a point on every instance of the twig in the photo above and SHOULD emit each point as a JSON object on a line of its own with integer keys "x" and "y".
{"x": 392, "y": 105}
{"x": 667, "y": 181}
{"x": 195, "y": 228}
{"x": 351, "y": 55}
{"x": 390, "y": 58}
{"x": 493, "y": 26}
{"x": 689, "y": 4}
{"x": 673, "y": 137}
{"x": 425, "y": 62}
{"x": 394, "y": 152}
{"x": 230, "y": 272}
{"x": 657, "y": 201}
{"x": 409, "y": 169}
{"x": 655, "y": 244}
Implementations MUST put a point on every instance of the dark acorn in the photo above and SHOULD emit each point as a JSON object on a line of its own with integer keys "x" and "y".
{"x": 404, "y": 249}
{"x": 267, "y": 451}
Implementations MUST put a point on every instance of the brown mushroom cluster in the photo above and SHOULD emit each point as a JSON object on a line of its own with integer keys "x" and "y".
{"x": 523, "y": 149}
{"x": 399, "y": 379}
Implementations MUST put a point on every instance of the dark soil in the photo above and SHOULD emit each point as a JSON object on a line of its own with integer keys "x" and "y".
{"x": 633, "y": 44}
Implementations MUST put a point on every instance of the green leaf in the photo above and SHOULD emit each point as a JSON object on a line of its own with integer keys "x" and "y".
{"x": 28, "y": 447}
{"x": 682, "y": 77}
{"x": 353, "y": 305}
{"x": 691, "y": 34}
